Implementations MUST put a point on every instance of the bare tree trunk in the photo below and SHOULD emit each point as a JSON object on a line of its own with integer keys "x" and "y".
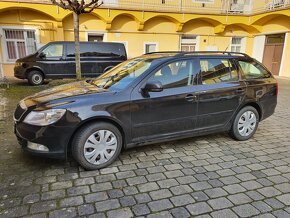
{"x": 77, "y": 46}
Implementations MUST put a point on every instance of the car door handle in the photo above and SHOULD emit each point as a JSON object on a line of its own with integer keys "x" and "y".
{"x": 190, "y": 98}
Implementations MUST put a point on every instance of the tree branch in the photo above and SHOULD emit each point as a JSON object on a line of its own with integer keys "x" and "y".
{"x": 96, "y": 5}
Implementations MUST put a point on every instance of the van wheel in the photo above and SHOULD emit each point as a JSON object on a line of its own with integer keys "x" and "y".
{"x": 97, "y": 145}
{"x": 245, "y": 124}
{"x": 35, "y": 78}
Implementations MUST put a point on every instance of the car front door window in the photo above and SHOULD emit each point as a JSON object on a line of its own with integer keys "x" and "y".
{"x": 53, "y": 51}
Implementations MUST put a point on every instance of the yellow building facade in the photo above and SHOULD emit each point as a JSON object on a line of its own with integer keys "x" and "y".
{"x": 258, "y": 28}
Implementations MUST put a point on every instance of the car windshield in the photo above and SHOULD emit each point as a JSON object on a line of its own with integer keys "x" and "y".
{"x": 123, "y": 74}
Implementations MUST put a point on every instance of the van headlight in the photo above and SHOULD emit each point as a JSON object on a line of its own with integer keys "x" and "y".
{"x": 44, "y": 118}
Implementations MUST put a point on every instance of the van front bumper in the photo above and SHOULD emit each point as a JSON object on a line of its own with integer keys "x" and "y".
{"x": 19, "y": 72}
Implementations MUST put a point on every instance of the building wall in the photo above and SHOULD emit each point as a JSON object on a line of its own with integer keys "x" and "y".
{"x": 136, "y": 28}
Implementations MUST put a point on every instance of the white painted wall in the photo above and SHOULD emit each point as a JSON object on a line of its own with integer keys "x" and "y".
{"x": 259, "y": 46}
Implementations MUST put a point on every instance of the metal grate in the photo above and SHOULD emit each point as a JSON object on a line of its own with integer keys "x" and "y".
{"x": 19, "y": 43}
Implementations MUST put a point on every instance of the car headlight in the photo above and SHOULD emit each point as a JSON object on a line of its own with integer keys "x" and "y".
{"x": 18, "y": 64}
{"x": 44, "y": 118}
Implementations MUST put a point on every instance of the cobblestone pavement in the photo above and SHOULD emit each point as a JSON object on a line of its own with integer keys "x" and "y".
{"x": 211, "y": 176}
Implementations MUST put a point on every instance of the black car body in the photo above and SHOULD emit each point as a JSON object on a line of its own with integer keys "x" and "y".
{"x": 151, "y": 107}
{"x": 57, "y": 60}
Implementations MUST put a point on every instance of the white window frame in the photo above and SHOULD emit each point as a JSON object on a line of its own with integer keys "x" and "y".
{"x": 242, "y": 45}
{"x": 150, "y": 43}
{"x": 3, "y": 40}
{"x": 192, "y": 41}
{"x": 97, "y": 33}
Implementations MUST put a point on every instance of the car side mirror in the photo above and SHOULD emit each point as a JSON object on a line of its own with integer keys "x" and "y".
{"x": 41, "y": 55}
{"x": 153, "y": 86}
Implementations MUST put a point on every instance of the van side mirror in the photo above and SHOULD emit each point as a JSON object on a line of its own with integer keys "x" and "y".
{"x": 153, "y": 86}
{"x": 41, "y": 55}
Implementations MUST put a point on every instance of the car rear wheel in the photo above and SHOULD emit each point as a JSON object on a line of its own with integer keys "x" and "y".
{"x": 97, "y": 145}
{"x": 245, "y": 124}
{"x": 35, "y": 78}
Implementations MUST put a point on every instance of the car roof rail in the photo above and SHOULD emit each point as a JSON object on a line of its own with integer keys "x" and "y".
{"x": 181, "y": 53}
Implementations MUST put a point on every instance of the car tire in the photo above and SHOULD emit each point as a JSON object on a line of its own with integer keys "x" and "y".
{"x": 97, "y": 145}
{"x": 245, "y": 124}
{"x": 35, "y": 78}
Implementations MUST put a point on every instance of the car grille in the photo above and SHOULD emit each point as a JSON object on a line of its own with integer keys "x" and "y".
{"x": 19, "y": 112}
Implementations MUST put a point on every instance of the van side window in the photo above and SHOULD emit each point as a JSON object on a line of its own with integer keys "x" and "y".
{"x": 55, "y": 50}
{"x": 217, "y": 71}
{"x": 253, "y": 70}
{"x": 177, "y": 74}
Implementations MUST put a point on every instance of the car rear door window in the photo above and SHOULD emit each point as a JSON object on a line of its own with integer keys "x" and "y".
{"x": 253, "y": 70}
{"x": 177, "y": 74}
{"x": 217, "y": 71}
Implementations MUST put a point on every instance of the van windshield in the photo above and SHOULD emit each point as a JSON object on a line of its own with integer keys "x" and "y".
{"x": 123, "y": 74}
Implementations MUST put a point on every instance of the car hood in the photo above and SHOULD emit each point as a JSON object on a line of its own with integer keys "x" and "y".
{"x": 59, "y": 92}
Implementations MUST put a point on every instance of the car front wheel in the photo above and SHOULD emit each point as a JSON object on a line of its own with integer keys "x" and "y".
{"x": 97, "y": 145}
{"x": 35, "y": 78}
{"x": 245, "y": 124}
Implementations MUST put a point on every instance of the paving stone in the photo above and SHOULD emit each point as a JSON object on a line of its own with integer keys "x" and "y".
{"x": 84, "y": 181}
{"x": 225, "y": 213}
{"x": 281, "y": 214}
{"x": 105, "y": 178}
{"x": 86, "y": 209}
{"x": 101, "y": 187}
{"x": 136, "y": 180}
{"x": 126, "y": 174}
{"x": 94, "y": 197}
{"x": 198, "y": 208}
{"x": 43, "y": 206}
{"x": 115, "y": 193}
{"x": 246, "y": 210}
{"x": 220, "y": 203}
{"x": 285, "y": 199}
{"x": 240, "y": 198}
{"x": 107, "y": 205}
{"x": 120, "y": 213}
{"x": 167, "y": 183}
{"x": 141, "y": 209}
{"x": 216, "y": 192}
{"x": 15, "y": 212}
{"x": 199, "y": 196}
{"x": 285, "y": 187}
{"x": 160, "y": 194}
{"x": 269, "y": 191}
{"x": 179, "y": 212}
{"x": 198, "y": 186}
{"x": 182, "y": 200}
{"x": 180, "y": 189}
{"x": 155, "y": 177}
{"x": 61, "y": 185}
{"x": 150, "y": 186}
{"x": 80, "y": 190}
{"x": 142, "y": 198}
{"x": 159, "y": 205}
{"x": 72, "y": 201}
{"x": 251, "y": 185}
{"x": 127, "y": 201}
{"x": 274, "y": 203}
{"x": 262, "y": 206}
{"x": 232, "y": 189}
{"x": 65, "y": 212}
{"x": 254, "y": 195}
{"x": 30, "y": 199}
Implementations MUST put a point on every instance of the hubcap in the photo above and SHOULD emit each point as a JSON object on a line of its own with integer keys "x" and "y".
{"x": 36, "y": 79}
{"x": 247, "y": 123}
{"x": 100, "y": 147}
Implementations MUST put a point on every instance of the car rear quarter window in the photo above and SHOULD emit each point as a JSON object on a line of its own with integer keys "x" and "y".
{"x": 217, "y": 71}
{"x": 253, "y": 70}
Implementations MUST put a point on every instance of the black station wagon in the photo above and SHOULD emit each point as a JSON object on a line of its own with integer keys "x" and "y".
{"x": 153, "y": 98}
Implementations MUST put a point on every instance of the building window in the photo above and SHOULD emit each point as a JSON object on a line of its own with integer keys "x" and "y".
{"x": 19, "y": 43}
{"x": 236, "y": 44}
{"x": 188, "y": 43}
{"x": 150, "y": 47}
